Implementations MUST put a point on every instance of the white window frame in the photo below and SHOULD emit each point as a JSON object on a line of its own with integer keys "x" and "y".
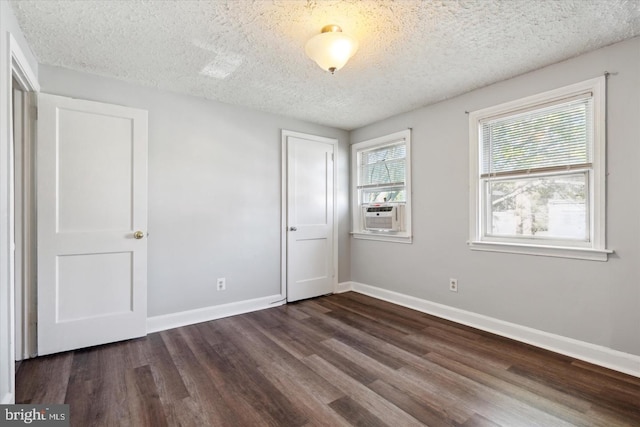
{"x": 358, "y": 230}
{"x": 595, "y": 248}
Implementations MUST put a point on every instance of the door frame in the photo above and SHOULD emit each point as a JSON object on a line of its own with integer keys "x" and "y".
{"x": 285, "y": 205}
{"x": 17, "y": 66}
{"x": 25, "y": 293}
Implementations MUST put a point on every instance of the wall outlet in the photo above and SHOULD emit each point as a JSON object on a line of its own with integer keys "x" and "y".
{"x": 453, "y": 285}
{"x": 221, "y": 284}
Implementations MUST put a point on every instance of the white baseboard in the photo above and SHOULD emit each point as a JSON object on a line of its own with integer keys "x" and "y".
{"x": 189, "y": 317}
{"x": 598, "y": 355}
{"x": 343, "y": 287}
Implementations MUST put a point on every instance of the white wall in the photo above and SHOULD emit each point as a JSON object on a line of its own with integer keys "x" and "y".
{"x": 594, "y": 302}
{"x": 214, "y": 192}
{"x": 8, "y": 25}
{"x": 207, "y": 158}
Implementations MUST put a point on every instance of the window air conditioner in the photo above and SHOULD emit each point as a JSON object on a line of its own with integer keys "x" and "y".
{"x": 383, "y": 218}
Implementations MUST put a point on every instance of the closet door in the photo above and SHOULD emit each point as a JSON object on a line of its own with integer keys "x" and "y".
{"x": 92, "y": 221}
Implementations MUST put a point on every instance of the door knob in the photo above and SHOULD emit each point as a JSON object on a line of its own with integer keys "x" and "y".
{"x": 293, "y": 228}
{"x": 138, "y": 235}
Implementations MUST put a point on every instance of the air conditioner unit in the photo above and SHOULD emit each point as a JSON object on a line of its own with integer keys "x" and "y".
{"x": 383, "y": 217}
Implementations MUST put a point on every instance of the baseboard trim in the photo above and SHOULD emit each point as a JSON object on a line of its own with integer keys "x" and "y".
{"x": 598, "y": 355}
{"x": 190, "y": 317}
{"x": 343, "y": 287}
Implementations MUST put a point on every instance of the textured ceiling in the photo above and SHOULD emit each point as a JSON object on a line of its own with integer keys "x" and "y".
{"x": 251, "y": 53}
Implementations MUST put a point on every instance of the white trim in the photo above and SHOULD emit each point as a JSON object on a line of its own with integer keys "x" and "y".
{"x": 542, "y": 250}
{"x": 20, "y": 67}
{"x": 14, "y": 63}
{"x": 596, "y": 249}
{"x": 25, "y": 297}
{"x": 596, "y": 354}
{"x": 382, "y": 237}
{"x": 199, "y": 315}
{"x": 7, "y": 399}
{"x": 358, "y": 231}
{"x": 283, "y": 216}
{"x": 284, "y": 207}
{"x": 18, "y": 197}
{"x": 599, "y": 183}
{"x": 29, "y": 228}
{"x": 343, "y": 287}
{"x": 26, "y": 78}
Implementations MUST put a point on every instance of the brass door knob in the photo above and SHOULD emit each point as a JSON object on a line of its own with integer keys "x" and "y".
{"x": 138, "y": 235}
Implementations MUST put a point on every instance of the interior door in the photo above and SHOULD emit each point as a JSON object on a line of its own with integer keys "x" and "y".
{"x": 310, "y": 216}
{"x": 92, "y": 221}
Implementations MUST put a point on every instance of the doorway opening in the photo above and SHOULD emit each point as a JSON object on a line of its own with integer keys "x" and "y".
{"x": 23, "y": 210}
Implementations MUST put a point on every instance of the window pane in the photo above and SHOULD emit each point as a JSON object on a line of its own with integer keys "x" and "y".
{"x": 558, "y": 135}
{"x": 543, "y": 207}
{"x": 397, "y": 194}
{"x": 383, "y": 165}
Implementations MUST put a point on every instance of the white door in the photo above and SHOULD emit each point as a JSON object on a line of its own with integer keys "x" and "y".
{"x": 310, "y": 217}
{"x": 92, "y": 222}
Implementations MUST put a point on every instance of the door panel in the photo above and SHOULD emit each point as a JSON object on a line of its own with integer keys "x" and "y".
{"x": 312, "y": 266}
{"x": 310, "y": 217}
{"x": 103, "y": 199}
{"x": 92, "y": 197}
{"x": 94, "y": 285}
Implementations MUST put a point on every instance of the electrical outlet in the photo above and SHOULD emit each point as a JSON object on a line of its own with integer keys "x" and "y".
{"x": 221, "y": 284}
{"x": 453, "y": 285}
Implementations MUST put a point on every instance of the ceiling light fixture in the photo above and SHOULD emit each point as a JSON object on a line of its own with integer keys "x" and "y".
{"x": 331, "y": 49}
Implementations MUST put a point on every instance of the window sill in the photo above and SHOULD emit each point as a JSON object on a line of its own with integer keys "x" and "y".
{"x": 542, "y": 250}
{"x": 383, "y": 237}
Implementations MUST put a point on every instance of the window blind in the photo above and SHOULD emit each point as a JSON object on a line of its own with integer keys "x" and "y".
{"x": 383, "y": 167}
{"x": 553, "y": 138}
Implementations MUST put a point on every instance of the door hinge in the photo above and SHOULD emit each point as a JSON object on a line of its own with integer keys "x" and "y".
{"x": 35, "y": 113}
{"x": 332, "y": 157}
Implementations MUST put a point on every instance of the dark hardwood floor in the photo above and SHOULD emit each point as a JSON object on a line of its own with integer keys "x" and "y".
{"x": 339, "y": 360}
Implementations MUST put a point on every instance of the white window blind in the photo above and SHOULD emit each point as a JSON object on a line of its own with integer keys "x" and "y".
{"x": 557, "y": 137}
{"x": 383, "y": 170}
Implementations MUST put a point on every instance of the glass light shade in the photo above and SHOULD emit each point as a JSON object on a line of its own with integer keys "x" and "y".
{"x": 331, "y": 50}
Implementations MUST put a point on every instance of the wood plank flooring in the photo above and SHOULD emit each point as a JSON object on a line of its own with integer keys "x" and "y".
{"x": 339, "y": 360}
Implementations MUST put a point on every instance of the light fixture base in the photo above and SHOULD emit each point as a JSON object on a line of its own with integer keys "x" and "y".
{"x": 331, "y": 29}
